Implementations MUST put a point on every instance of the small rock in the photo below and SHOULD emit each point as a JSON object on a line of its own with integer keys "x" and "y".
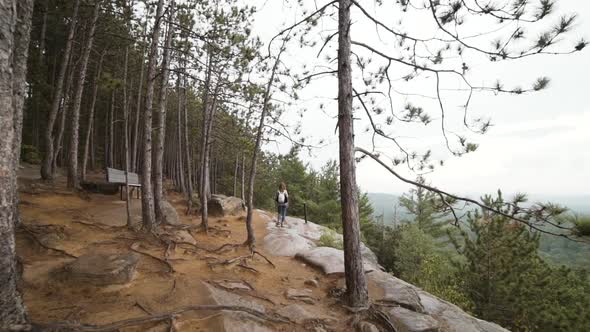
{"x": 312, "y": 283}
{"x": 367, "y": 327}
{"x": 304, "y": 295}
{"x": 101, "y": 269}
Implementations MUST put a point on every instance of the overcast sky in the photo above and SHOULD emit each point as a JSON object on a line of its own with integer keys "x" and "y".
{"x": 539, "y": 143}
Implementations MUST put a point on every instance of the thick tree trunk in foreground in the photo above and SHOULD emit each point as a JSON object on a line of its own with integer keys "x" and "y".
{"x": 356, "y": 283}
{"x": 47, "y": 171}
{"x": 90, "y": 125}
{"x": 15, "y": 28}
{"x": 73, "y": 178}
{"x": 251, "y": 241}
{"x": 147, "y": 198}
{"x": 158, "y": 158}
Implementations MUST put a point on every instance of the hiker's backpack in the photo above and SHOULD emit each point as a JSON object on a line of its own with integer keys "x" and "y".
{"x": 282, "y": 197}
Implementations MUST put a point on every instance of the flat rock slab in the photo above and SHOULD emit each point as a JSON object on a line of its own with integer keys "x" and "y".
{"x": 396, "y": 291}
{"x": 283, "y": 242}
{"x": 304, "y": 295}
{"x": 329, "y": 260}
{"x": 102, "y": 269}
{"x": 405, "y": 320}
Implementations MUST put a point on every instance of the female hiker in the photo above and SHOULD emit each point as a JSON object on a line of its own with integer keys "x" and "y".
{"x": 282, "y": 199}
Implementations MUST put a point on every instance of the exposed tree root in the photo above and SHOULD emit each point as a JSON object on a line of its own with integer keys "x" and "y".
{"x": 261, "y": 255}
{"x": 100, "y": 226}
{"x": 40, "y": 243}
{"x": 166, "y": 316}
{"x": 227, "y": 247}
{"x": 248, "y": 268}
{"x": 135, "y": 247}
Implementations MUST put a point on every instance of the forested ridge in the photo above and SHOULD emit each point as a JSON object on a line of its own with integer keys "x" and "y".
{"x": 185, "y": 95}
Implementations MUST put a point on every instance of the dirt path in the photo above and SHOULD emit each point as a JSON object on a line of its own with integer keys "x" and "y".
{"x": 79, "y": 225}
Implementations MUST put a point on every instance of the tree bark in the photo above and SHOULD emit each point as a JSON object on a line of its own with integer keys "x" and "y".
{"x": 126, "y": 133}
{"x": 136, "y": 138}
{"x": 15, "y": 28}
{"x": 111, "y": 124}
{"x": 91, "y": 117}
{"x": 147, "y": 198}
{"x": 236, "y": 175}
{"x": 243, "y": 189}
{"x": 73, "y": 178}
{"x": 63, "y": 115}
{"x": 356, "y": 284}
{"x": 158, "y": 157}
{"x": 251, "y": 241}
{"x": 189, "y": 183}
{"x": 179, "y": 135}
{"x": 47, "y": 171}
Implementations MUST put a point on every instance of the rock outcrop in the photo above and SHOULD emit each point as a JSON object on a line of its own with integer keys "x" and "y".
{"x": 409, "y": 308}
{"x": 221, "y": 205}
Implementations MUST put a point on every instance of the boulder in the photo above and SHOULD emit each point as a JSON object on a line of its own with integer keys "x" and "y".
{"x": 221, "y": 205}
{"x": 170, "y": 214}
{"x": 329, "y": 260}
{"x": 102, "y": 269}
{"x": 304, "y": 295}
{"x": 405, "y": 320}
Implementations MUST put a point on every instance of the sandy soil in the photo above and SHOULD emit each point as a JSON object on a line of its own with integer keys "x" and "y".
{"x": 81, "y": 223}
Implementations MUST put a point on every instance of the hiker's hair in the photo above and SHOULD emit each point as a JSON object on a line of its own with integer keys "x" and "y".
{"x": 282, "y": 186}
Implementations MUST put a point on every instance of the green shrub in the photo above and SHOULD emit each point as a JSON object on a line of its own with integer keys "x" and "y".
{"x": 30, "y": 154}
{"x": 329, "y": 239}
{"x": 583, "y": 226}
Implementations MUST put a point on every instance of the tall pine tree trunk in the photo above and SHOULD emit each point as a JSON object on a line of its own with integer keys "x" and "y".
{"x": 47, "y": 171}
{"x": 15, "y": 28}
{"x": 189, "y": 183}
{"x": 126, "y": 134}
{"x": 356, "y": 283}
{"x": 90, "y": 125}
{"x": 136, "y": 137}
{"x": 111, "y": 124}
{"x": 158, "y": 158}
{"x": 251, "y": 241}
{"x": 73, "y": 178}
{"x": 147, "y": 197}
{"x": 179, "y": 135}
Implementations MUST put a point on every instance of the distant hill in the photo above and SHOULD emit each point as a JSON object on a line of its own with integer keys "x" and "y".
{"x": 387, "y": 205}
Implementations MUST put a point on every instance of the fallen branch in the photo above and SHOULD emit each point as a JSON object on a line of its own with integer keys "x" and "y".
{"x": 134, "y": 247}
{"x": 166, "y": 316}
